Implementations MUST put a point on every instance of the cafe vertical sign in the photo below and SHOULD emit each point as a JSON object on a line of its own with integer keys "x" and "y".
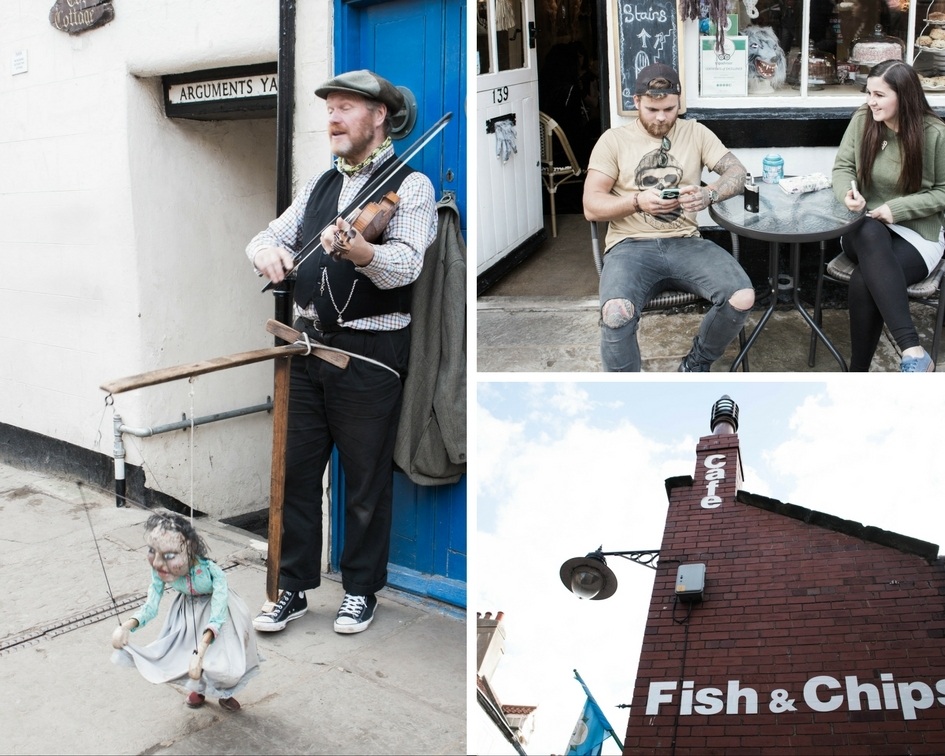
{"x": 77, "y": 16}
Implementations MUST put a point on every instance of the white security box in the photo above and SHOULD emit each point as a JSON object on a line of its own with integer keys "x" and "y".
{"x": 690, "y": 582}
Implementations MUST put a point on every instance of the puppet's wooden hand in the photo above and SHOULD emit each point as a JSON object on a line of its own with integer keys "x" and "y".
{"x": 121, "y": 635}
{"x": 196, "y": 661}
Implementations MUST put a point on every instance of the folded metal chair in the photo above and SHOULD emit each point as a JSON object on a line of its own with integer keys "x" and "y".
{"x": 556, "y": 175}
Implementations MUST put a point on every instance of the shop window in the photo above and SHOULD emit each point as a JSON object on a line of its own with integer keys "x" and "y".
{"x": 770, "y": 54}
{"x": 500, "y": 37}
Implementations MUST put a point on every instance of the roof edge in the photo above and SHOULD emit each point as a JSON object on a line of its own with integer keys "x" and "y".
{"x": 888, "y": 538}
{"x": 680, "y": 481}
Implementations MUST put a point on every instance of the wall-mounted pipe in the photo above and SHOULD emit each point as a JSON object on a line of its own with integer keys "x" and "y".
{"x": 183, "y": 424}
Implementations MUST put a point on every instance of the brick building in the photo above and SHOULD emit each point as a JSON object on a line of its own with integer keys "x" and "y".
{"x": 813, "y": 634}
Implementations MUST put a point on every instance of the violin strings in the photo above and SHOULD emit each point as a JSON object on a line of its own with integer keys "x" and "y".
{"x": 399, "y": 163}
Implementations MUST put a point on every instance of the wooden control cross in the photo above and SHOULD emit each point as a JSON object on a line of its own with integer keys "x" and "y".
{"x": 280, "y": 411}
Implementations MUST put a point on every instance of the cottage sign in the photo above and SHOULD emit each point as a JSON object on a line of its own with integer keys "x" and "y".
{"x": 77, "y": 16}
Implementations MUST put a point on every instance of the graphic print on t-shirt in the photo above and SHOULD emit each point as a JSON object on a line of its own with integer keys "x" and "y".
{"x": 650, "y": 175}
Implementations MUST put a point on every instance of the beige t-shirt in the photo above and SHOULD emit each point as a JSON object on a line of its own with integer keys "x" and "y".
{"x": 629, "y": 155}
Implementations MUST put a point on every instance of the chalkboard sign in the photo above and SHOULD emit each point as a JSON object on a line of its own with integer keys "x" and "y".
{"x": 647, "y": 32}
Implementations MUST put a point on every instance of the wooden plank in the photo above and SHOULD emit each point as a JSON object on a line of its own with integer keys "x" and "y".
{"x": 280, "y": 416}
{"x": 165, "y": 375}
{"x": 178, "y": 372}
{"x": 282, "y": 331}
{"x": 290, "y": 335}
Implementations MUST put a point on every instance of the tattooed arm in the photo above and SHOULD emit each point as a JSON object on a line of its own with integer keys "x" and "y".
{"x": 731, "y": 181}
{"x": 731, "y": 176}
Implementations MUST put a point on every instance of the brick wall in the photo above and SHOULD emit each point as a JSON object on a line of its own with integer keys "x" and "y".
{"x": 816, "y": 635}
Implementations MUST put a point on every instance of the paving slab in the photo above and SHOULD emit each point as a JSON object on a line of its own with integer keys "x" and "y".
{"x": 550, "y": 334}
{"x": 398, "y": 687}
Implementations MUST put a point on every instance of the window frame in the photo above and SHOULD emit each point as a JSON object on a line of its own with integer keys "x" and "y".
{"x": 797, "y": 100}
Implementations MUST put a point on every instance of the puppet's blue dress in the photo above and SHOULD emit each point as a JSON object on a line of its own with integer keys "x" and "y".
{"x": 202, "y": 601}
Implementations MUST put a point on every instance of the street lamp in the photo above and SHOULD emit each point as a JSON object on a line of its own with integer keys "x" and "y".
{"x": 589, "y": 577}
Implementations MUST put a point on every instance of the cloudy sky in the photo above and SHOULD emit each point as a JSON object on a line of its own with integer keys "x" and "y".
{"x": 564, "y": 467}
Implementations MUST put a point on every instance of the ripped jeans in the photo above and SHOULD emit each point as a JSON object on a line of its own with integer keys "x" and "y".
{"x": 637, "y": 269}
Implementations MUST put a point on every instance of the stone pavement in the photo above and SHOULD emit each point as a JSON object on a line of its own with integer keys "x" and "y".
{"x": 542, "y": 316}
{"x": 399, "y": 687}
{"x": 548, "y": 334}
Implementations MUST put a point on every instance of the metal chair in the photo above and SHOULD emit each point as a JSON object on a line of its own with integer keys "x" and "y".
{"x": 928, "y": 291}
{"x": 668, "y": 298}
{"x": 555, "y": 175}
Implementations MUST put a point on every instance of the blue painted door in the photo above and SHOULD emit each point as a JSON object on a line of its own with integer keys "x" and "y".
{"x": 419, "y": 44}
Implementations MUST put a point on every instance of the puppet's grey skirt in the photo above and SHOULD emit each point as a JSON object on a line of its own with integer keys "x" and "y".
{"x": 229, "y": 663}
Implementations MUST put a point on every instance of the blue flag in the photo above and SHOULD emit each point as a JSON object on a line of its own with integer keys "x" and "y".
{"x": 592, "y": 728}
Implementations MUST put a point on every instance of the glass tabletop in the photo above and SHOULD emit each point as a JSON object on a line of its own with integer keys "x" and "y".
{"x": 783, "y": 217}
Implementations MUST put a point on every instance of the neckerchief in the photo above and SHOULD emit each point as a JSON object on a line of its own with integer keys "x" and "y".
{"x": 350, "y": 170}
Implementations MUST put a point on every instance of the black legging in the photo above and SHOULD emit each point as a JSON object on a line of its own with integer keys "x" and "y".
{"x": 886, "y": 265}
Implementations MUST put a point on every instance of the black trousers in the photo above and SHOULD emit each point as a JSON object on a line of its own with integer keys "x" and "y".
{"x": 886, "y": 265}
{"x": 355, "y": 409}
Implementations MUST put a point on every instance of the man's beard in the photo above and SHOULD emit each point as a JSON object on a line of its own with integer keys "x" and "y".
{"x": 655, "y": 129}
{"x": 359, "y": 138}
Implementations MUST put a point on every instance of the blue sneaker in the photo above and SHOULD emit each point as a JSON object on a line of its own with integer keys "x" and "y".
{"x": 921, "y": 364}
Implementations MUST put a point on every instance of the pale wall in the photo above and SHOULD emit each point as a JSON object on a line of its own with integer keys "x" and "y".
{"x": 122, "y": 237}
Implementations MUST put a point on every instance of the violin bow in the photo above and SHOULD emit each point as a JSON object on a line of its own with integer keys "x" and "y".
{"x": 313, "y": 246}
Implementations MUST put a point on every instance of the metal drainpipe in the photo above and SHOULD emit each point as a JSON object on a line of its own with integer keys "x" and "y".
{"x": 120, "y": 428}
{"x": 119, "y": 453}
{"x": 285, "y": 107}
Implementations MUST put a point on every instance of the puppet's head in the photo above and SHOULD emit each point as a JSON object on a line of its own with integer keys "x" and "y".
{"x": 767, "y": 66}
{"x": 173, "y": 545}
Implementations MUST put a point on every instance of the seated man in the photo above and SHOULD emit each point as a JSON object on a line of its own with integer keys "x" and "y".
{"x": 653, "y": 241}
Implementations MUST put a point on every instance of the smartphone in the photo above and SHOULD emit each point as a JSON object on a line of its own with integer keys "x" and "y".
{"x": 669, "y": 194}
{"x": 853, "y": 187}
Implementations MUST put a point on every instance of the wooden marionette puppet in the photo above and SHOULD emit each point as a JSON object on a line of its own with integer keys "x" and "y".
{"x": 207, "y": 642}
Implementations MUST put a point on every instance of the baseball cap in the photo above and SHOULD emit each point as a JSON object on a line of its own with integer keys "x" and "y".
{"x": 657, "y": 71}
{"x": 367, "y": 84}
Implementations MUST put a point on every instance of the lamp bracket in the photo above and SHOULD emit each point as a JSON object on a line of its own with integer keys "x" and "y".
{"x": 646, "y": 558}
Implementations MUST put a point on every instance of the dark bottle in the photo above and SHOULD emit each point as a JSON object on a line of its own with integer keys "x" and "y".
{"x": 751, "y": 194}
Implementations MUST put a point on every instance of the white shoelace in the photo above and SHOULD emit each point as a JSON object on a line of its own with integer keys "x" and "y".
{"x": 352, "y": 605}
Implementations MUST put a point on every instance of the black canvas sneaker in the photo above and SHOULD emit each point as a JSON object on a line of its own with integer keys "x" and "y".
{"x": 291, "y": 605}
{"x": 355, "y": 614}
{"x": 688, "y": 365}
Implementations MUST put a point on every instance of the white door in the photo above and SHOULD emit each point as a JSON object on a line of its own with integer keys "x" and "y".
{"x": 508, "y": 164}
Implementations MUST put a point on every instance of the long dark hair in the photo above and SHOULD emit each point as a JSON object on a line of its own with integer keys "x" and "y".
{"x": 174, "y": 523}
{"x": 913, "y": 107}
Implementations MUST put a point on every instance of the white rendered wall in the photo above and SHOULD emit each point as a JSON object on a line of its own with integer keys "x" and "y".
{"x": 313, "y": 66}
{"x": 122, "y": 237}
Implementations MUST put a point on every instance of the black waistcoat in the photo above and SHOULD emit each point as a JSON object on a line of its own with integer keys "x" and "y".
{"x": 321, "y": 277}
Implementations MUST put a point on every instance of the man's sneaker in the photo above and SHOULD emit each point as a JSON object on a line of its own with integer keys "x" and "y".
{"x": 291, "y": 605}
{"x": 355, "y": 614}
{"x": 688, "y": 365}
{"x": 921, "y": 364}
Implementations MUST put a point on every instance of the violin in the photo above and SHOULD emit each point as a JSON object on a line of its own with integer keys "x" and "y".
{"x": 370, "y": 221}
{"x": 303, "y": 254}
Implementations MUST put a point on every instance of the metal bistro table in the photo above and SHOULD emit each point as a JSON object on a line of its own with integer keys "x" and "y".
{"x": 792, "y": 219}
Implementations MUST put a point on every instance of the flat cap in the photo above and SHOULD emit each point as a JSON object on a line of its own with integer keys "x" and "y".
{"x": 367, "y": 84}
{"x": 653, "y": 72}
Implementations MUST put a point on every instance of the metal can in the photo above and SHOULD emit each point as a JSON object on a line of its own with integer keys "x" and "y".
{"x": 772, "y": 168}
